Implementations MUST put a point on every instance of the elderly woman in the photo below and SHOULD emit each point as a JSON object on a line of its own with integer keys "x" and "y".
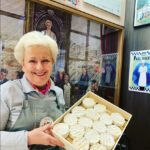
{"x": 25, "y": 102}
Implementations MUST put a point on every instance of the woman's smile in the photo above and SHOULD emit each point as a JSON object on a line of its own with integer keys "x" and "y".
{"x": 40, "y": 74}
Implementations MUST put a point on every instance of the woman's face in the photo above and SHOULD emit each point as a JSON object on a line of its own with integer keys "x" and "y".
{"x": 37, "y": 65}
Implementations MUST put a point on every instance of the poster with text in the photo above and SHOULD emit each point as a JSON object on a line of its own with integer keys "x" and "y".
{"x": 139, "y": 73}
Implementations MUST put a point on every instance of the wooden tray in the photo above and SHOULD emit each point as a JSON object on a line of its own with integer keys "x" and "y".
{"x": 110, "y": 108}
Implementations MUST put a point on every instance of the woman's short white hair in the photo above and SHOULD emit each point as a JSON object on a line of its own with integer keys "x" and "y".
{"x": 35, "y": 38}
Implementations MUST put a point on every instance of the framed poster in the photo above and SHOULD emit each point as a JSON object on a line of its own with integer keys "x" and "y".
{"x": 142, "y": 12}
{"x": 139, "y": 73}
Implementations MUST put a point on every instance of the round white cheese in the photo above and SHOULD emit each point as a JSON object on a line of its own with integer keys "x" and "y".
{"x": 85, "y": 122}
{"x": 107, "y": 140}
{"x": 100, "y": 108}
{"x": 81, "y": 144}
{"x": 92, "y": 136}
{"x": 106, "y": 118}
{"x": 90, "y": 113}
{"x": 78, "y": 111}
{"x": 98, "y": 146}
{"x": 99, "y": 126}
{"x": 88, "y": 103}
{"x": 70, "y": 119}
{"x": 118, "y": 119}
{"x": 114, "y": 130}
{"x": 62, "y": 129}
{"x": 76, "y": 131}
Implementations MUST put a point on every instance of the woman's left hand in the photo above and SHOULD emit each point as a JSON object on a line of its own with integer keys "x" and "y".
{"x": 40, "y": 136}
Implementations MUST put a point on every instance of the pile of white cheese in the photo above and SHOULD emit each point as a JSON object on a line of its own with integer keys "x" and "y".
{"x": 91, "y": 126}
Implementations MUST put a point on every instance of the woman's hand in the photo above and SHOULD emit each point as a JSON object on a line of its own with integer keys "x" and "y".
{"x": 40, "y": 136}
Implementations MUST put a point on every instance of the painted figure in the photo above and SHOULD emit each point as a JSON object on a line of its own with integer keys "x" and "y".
{"x": 4, "y": 73}
{"x": 48, "y": 31}
{"x": 67, "y": 90}
{"x": 108, "y": 74}
{"x": 142, "y": 79}
{"x": 59, "y": 81}
{"x": 95, "y": 88}
{"x": 83, "y": 82}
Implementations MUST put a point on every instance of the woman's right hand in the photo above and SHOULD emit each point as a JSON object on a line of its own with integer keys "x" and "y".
{"x": 39, "y": 136}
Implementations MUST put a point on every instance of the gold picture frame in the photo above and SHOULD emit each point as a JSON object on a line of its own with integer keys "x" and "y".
{"x": 109, "y": 28}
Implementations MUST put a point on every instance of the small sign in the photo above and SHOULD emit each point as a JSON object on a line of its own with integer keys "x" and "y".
{"x": 139, "y": 73}
{"x": 112, "y": 6}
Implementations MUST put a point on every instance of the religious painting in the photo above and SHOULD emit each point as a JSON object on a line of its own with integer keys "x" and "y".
{"x": 55, "y": 24}
{"x": 139, "y": 73}
{"x": 108, "y": 70}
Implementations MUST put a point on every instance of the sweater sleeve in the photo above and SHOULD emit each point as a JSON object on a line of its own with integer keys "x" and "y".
{"x": 13, "y": 140}
{"x": 4, "y": 114}
{"x": 9, "y": 140}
